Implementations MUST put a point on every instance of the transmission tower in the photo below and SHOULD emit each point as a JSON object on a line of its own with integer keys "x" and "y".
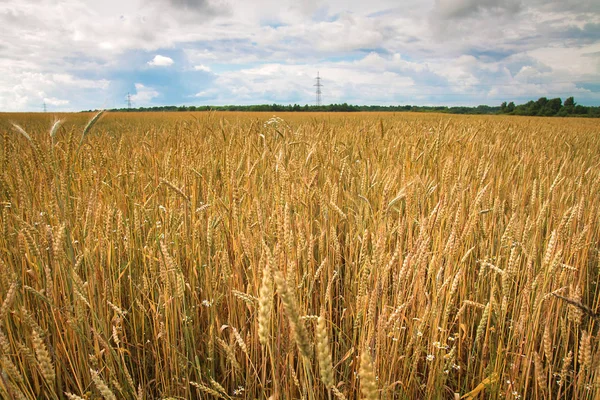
{"x": 128, "y": 100}
{"x": 45, "y": 108}
{"x": 318, "y": 85}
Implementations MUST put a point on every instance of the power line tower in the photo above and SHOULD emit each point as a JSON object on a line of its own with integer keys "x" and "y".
{"x": 318, "y": 85}
{"x": 128, "y": 100}
{"x": 45, "y": 108}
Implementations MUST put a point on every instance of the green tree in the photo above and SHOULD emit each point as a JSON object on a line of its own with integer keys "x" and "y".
{"x": 568, "y": 106}
{"x": 551, "y": 108}
{"x": 538, "y": 106}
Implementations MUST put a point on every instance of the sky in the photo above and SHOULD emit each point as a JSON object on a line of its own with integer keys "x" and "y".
{"x": 78, "y": 55}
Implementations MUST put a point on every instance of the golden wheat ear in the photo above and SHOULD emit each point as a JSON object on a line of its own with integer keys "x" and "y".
{"x": 90, "y": 125}
{"x": 54, "y": 128}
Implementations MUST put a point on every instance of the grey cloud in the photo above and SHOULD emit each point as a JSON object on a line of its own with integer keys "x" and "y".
{"x": 556, "y": 33}
{"x": 490, "y": 55}
{"x": 515, "y": 63}
{"x": 456, "y": 9}
{"x": 583, "y": 10}
{"x": 203, "y": 7}
{"x": 493, "y": 30}
{"x": 573, "y": 6}
{"x": 589, "y": 34}
{"x": 190, "y": 3}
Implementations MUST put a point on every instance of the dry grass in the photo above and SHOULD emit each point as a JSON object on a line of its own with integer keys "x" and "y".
{"x": 386, "y": 256}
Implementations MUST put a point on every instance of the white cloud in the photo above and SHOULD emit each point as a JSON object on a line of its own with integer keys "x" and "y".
{"x": 207, "y": 94}
{"x": 575, "y": 62}
{"x": 343, "y": 82}
{"x": 201, "y": 67}
{"x": 88, "y": 52}
{"x": 70, "y": 80}
{"x": 161, "y": 61}
{"x": 53, "y": 101}
{"x": 143, "y": 95}
{"x": 25, "y": 89}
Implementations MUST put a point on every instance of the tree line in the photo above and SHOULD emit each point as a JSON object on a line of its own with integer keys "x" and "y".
{"x": 344, "y": 107}
{"x": 545, "y": 107}
{"x": 541, "y": 107}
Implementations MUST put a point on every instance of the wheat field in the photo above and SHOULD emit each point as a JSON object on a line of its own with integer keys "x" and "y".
{"x": 303, "y": 256}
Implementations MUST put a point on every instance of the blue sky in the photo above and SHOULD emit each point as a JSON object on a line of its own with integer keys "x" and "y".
{"x": 75, "y": 55}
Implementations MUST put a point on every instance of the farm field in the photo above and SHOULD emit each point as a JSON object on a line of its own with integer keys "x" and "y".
{"x": 242, "y": 255}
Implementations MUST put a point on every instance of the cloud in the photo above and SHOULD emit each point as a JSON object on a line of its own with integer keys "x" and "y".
{"x": 70, "y": 80}
{"x": 190, "y": 4}
{"x": 53, "y": 101}
{"x": 24, "y": 88}
{"x": 354, "y": 82}
{"x": 91, "y": 54}
{"x": 201, "y": 67}
{"x": 572, "y": 6}
{"x": 143, "y": 95}
{"x": 203, "y": 7}
{"x": 161, "y": 61}
{"x": 207, "y": 94}
{"x": 466, "y": 8}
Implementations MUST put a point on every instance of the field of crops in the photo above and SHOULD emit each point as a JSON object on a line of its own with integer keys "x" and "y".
{"x": 231, "y": 255}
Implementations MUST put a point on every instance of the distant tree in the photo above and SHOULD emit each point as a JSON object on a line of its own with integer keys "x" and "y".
{"x": 551, "y": 108}
{"x": 538, "y": 106}
{"x": 568, "y": 106}
{"x": 525, "y": 109}
{"x": 542, "y": 106}
{"x": 594, "y": 112}
{"x": 570, "y": 102}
